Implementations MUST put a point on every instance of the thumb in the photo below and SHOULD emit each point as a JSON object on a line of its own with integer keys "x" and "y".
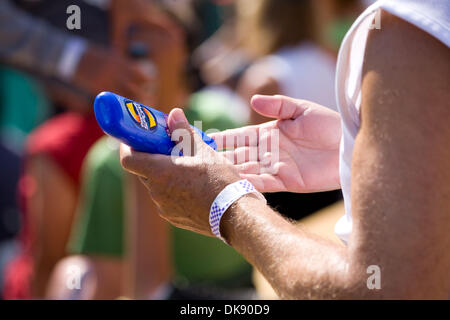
{"x": 177, "y": 120}
{"x": 278, "y": 106}
{"x": 179, "y": 127}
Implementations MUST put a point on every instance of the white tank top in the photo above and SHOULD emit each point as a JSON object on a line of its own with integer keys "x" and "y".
{"x": 432, "y": 16}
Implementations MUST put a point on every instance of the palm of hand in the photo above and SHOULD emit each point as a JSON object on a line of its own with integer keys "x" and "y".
{"x": 308, "y": 151}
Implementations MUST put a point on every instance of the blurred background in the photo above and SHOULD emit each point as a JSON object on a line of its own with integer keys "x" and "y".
{"x": 73, "y": 224}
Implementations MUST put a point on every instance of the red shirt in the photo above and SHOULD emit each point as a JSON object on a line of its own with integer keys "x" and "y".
{"x": 65, "y": 139}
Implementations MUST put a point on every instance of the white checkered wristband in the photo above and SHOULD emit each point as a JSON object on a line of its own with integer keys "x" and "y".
{"x": 225, "y": 199}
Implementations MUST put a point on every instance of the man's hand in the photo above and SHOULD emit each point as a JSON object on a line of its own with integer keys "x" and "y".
{"x": 400, "y": 183}
{"x": 106, "y": 70}
{"x": 309, "y": 137}
{"x": 184, "y": 187}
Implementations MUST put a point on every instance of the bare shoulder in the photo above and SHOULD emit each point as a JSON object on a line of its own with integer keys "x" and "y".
{"x": 402, "y": 39}
{"x": 401, "y": 169}
{"x": 408, "y": 73}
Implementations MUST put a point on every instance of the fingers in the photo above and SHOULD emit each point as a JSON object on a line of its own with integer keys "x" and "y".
{"x": 242, "y": 154}
{"x": 235, "y": 138}
{"x": 251, "y": 167}
{"x": 246, "y": 154}
{"x": 278, "y": 107}
{"x": 265, "y": 182}
{"x": 258, "y": 167}
{"x": 187, "y": 139}
{"x": 143, "y": 164}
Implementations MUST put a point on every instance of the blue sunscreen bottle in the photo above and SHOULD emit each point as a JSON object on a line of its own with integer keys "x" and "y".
{"x": 142, "y": 128}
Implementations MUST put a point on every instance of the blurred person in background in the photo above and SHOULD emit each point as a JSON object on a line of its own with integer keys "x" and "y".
{"x": 121, "y": 247}
{"x": 284, "y": 37}
{"x": 107, "y": 240}
{"x": 32, "y": 44}
{"x": 111, "y": 228}
{"x": 214, "y": 62}
{"x": 55, "y": 151}
{"x": 9, "y": 211}
{"x": 34, "y": 37}
{"x": 118, "y": 255}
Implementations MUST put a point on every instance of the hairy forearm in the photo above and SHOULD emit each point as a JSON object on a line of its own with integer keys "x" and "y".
{"x": 298, "y": 265}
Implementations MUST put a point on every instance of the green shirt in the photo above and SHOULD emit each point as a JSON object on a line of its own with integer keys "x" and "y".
{"x": 99, "y": 222}
{"x": 99, "y": 227}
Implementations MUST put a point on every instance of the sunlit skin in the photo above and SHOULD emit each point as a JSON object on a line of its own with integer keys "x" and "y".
{"x": 400, "y": 181}
{"x": 309, "y": 136}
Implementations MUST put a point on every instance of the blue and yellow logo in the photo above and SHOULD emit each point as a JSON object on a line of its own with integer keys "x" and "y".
{"x": 141, "y": 115}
